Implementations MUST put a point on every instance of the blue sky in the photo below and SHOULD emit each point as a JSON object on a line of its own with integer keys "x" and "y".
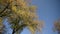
{"x": 48, "y": 11}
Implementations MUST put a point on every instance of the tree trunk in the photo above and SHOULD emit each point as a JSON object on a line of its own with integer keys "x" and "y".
{"x": 13, "y": 31}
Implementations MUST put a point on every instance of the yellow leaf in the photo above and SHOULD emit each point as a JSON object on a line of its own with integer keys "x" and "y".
{"x": 31, "y": 29}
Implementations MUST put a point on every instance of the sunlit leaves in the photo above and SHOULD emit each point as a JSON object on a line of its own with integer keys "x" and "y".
{"x": 21, "y": 15}
{"x": 14, "y": 8}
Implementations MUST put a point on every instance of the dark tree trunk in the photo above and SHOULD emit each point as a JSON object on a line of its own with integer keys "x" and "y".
{"x": 13, "y": 31}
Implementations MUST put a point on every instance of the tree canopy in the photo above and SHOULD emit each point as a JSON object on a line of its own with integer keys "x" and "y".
{"x": 20, "y": 15}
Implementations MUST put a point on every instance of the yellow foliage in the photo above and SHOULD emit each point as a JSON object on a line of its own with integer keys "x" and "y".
{"x": 20, "y": 11}
{"x": 1, "y": 22}
{"x": 14, "y": 8}
{"x": 31, "y": 29}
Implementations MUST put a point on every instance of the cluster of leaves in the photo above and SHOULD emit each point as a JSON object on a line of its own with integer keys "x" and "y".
{"x": 20, "y": 15}
{"x": 57, "y": 26}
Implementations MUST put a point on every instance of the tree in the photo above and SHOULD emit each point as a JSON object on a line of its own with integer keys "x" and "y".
{"x": 20, "y": 15}
{"x": 57, "y": 26}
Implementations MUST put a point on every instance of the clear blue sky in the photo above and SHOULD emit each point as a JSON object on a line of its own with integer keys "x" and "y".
{"x": 48, "y": 11}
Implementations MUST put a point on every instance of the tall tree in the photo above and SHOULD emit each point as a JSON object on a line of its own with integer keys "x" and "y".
{"x": 20, "y": 15}
{"x": 57, "y": 26}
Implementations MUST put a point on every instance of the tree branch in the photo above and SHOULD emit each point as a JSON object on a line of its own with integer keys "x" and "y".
{"x": 5, "y": 8}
